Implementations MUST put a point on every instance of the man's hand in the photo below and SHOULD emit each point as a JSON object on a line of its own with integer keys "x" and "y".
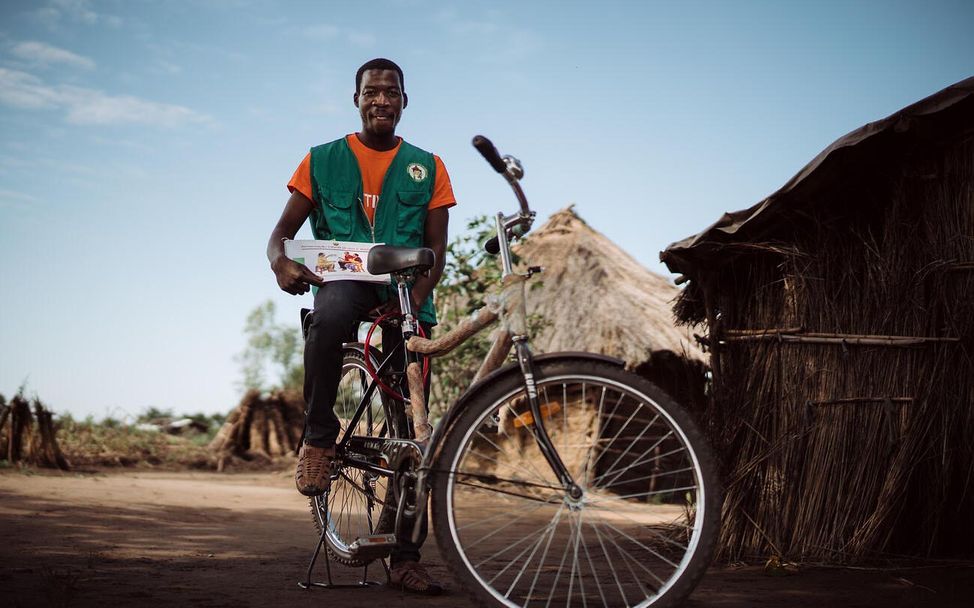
{"x": 294, "y": 278}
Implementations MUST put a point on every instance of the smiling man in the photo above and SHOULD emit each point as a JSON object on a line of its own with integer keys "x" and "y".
{"x": 373, "y": 187}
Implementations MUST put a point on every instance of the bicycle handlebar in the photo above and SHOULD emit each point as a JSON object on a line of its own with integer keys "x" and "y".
{"x": 489, "y": 152}
{"x": 508, "y": 166}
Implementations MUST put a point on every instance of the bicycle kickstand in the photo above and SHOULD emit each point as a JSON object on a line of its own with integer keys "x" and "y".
{"x": 330, "y": 584}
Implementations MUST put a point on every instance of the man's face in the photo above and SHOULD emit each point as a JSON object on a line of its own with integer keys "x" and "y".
{"x": 380, "y": 101}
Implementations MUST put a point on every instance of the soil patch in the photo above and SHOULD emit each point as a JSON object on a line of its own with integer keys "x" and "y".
{"x": 123, "y": 538}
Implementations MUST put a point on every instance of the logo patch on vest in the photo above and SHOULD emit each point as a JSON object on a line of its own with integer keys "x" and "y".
{"x": 417, "y": 172}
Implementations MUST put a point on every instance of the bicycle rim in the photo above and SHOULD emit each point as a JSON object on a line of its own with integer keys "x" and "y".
{"x": 626, "y": 542}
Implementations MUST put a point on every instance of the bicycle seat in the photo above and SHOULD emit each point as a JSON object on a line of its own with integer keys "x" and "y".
{"x": 385, "y": 259}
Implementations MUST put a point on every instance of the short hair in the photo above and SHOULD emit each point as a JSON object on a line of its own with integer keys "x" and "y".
{"x": 379, "y": 63}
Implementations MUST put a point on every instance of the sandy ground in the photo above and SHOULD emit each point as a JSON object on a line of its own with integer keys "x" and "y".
{"x": 126, "y": 538}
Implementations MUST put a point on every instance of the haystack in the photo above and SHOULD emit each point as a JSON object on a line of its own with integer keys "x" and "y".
{"x": 29, "y": 437}
{"x": 597, "y": 298}
{"x": 840, "y": 313}
{"x": 263, "y": 426}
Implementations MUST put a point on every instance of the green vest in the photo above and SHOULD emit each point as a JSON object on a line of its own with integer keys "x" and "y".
{"x": 400, "y": 216}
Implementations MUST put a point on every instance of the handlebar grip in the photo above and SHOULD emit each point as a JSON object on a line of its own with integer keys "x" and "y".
{"x": 489, "y": 152}
{"x": 492, "y": 246}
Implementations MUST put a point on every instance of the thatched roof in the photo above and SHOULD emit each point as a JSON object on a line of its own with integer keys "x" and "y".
{"x": 598, "y": 298}
{"x": 856, "y": 158}
{"x": 836, "y": 445}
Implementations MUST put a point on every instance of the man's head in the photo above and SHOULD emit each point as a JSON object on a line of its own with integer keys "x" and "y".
{"x": 379, "y": 96}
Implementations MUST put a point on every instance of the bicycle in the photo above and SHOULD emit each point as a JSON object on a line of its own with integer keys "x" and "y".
{"x": 559, "y": 478}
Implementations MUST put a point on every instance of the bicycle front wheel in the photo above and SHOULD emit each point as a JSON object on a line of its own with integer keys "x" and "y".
{"x": 643, "y": 531}
{"x": 358, "y": 503}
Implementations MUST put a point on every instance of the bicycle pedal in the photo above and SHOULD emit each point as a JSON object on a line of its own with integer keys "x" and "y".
{"x": 375, "y": 546}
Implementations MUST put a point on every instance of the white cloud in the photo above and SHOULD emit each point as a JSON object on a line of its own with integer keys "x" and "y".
{"x": 76, "y": 10}
{"x": 85, "y": 106}
{"x": 327, "y": 31}
{"x": 12, "y": 195}
{"x": 23, "y": 90}
{"x": 320, "y": 31}
{"x": 362, "y": 39}
{"x": 39, "y": 53}
{"x": 508, "y": 42}
{"x": 90, "y": 107}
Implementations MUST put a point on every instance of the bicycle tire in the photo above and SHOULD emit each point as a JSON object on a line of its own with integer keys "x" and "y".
{"x": 358, "y": 502}
{"x": 506, "y": 527}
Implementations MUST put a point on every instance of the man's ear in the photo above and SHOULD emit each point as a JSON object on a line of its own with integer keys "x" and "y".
{"x": 355, "y": 98}
{"x": 405, "y": 100}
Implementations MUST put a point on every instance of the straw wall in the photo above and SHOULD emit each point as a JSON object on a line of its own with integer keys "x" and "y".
{"x": 837, "y": 450}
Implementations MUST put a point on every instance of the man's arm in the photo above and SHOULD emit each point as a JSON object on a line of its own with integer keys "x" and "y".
{"x": 437, "y": 222}
{"x": 292, "y": 277}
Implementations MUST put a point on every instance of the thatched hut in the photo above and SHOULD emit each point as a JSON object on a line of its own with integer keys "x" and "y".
{"x": 597, "y": 298}
{"x": 262, "y": 426}
{"x": 841, "y": 326}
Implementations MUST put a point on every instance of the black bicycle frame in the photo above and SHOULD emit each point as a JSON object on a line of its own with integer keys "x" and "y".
{"x": 366, "y": 398}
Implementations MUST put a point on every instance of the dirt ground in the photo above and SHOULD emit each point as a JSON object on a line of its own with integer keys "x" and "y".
{"x": 123, "y": 538}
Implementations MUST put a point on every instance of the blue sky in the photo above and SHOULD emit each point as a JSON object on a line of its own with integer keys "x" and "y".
{"x": 145, "y": 146}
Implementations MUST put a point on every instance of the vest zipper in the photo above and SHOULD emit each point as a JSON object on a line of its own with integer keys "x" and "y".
{"x": 361, "y": 207}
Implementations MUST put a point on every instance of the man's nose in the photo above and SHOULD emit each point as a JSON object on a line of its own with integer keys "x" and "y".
{"x": 381, "y": 99}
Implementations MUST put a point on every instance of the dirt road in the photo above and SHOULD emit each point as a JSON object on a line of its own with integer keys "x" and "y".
{"x": 220, "y": 540}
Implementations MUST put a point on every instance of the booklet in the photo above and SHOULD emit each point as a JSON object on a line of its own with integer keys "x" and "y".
{"x": 334, "y": 260}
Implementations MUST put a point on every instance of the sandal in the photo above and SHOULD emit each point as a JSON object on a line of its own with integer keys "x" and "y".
{"x": 412, "y": 577}
{"x": 313, "y": 475}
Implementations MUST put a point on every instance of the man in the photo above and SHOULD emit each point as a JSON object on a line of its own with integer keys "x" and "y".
{"x": 369, "y": 186}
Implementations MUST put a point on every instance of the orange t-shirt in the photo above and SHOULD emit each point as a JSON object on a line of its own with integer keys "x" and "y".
{"x": 373, "y": 165}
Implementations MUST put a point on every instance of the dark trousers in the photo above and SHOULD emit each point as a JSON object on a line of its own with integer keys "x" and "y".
{"x": 339, "y": 308}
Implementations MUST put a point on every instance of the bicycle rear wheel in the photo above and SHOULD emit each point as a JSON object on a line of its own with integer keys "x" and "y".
{"x": 644, "y": 530}
{"x": 357, "y": 503}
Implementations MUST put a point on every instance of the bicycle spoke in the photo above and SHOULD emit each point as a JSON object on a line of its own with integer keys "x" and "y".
{"x": 588, "y": 556}
{"x": 506, "y": 493}
{"x": 505, "y": 549}
{"x": 644, "y": 547}
{"x": 576, "y": 570}
{"x": 592, "y": 457}
{"x": 561, "y": 566}
{"x": 624, "y": 497}
{"x": 498, "y": 530}
{"x": 504, "y": 514}
{"x": 533, "y": 548}
{"x": 608, "y": 561}
{"x": 544, "y": 556}
{"x": 549, "y": 532}
{"x": 537, "y": 474}
{"x": 648, "y": 477}
{"x": 643, "y": 526}
{"x": 496, "y": 479}
{"x": 639, "y": 459}
{"x": 633, "y": 560}
{"x": 626, "y": 451}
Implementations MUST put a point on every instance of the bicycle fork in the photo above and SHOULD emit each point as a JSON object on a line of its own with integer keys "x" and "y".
{"x": 526, "y": 362}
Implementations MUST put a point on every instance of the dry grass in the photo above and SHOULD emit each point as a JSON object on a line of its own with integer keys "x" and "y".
{"x": 91, "y": 444}
{"x": 597, "y": 298}
{"x": 870, "y": 475}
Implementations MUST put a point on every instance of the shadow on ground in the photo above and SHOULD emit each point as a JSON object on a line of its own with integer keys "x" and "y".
{"x": 204, "y": 539}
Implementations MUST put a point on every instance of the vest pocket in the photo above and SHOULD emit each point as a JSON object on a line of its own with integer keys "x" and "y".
{"x": 337, "y": 208}
{"x": 412, "y": 217}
